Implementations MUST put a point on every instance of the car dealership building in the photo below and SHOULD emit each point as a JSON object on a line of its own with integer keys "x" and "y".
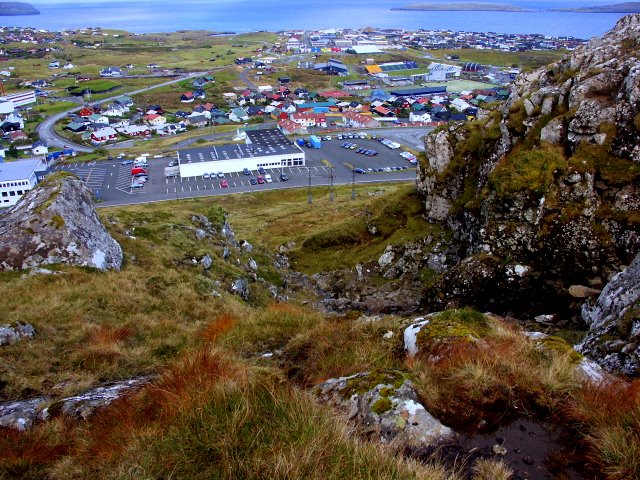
{"x": 267, "y": 148}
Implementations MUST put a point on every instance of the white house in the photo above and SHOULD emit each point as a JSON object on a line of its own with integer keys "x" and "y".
{"x": 459, "y": 104}
{"x": 17, "y": 178}
{"x": 39, "y": 148}
{"x": 15, "y": 118}
{"x": 119, "y": 124}
{"x": 135, "y": 130}
{"x": 111, "y": 72}
{"x": 238, "y": 115}
{"x": 115, "y": 110}
{"x": 419, "y": 117}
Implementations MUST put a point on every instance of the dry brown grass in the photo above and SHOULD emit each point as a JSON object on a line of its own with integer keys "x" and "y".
{"x": 489, "y": 469}
{"x": 498, "y": 377}
{"x": 608, "y": 415}
{"x": 208, "y": 416}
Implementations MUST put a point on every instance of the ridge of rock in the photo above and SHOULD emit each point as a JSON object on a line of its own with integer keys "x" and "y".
{"x": 56, "y": 223}
{"x": 550, "y": 183}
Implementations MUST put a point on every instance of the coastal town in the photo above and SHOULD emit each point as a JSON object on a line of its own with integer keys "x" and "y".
{"x": 62, "y": 101}
{"x": 319, "y": 253}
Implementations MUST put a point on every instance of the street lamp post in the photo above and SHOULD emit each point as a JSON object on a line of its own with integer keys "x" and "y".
{"x": 309, "y": 197}
{"x": 353, "y": 184}
{"x": 331, "y": 192}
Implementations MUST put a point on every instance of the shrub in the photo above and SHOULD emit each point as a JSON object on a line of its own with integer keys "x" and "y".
{"x": 527, "y": 171}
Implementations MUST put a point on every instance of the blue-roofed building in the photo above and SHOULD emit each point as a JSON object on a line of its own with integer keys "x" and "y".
{"x": 17, "y": 178}
{"x": 313, "y": 105}
{"x": 379, "y": 94}
{"x": 419, "y": 92}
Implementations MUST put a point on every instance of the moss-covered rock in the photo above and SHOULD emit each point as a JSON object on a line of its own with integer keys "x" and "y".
{"x": 384, "y": 406}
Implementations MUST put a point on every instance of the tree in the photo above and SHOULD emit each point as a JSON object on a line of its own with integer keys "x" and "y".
{"x": 13, "y": 152}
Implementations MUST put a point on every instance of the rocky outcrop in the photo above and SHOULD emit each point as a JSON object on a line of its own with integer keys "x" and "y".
{"x": 383, "y": 405}
{"x": 22, "y": 414}
{"x": 12, "y": 333}
{"x": 549, "y": 182}
{"x": 56, "y": 223}
{"x": 614, "y": 335}
{"x": 403, "y": 269}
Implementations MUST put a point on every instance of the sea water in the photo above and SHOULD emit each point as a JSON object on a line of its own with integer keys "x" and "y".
{"x": 239, "y": 16}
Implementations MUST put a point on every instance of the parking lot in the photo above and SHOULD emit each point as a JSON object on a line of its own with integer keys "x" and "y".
{"x": 111, "y": 183}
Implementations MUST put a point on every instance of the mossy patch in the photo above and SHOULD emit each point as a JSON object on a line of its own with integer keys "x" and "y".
{"x": 57, "y": 221}
{"x": 365, "y": 383}
{"x": 464, "y": 322}
{"x": 560, "y": 346}
{"x": 527, "y": 170}
{"x": 453, "y": 326}
{"x": 381, "y": 405}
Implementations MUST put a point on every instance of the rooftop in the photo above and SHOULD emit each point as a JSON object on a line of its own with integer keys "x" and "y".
{"x": 260, "y": 143}
{"x": 18, "y": 170}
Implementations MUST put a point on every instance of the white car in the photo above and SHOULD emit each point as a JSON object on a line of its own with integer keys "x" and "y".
{"x": 267, "y": 178}
{"x": 205, "y": 175}
{"x": 121, "y": 155}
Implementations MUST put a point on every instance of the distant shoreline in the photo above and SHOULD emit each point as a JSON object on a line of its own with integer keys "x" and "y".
{"x": 627, "y": 7}
{"x": 461, "y": 7}
{"x": 10, "y": 9}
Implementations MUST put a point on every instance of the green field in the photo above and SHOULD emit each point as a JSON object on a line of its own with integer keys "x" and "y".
{"x": 461, "y": 85}
{"x": 528, "y": 60}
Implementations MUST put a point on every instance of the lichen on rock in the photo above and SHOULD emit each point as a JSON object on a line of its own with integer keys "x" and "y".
{"x": 56, "y": 223}
{"x": 384, "y": 405}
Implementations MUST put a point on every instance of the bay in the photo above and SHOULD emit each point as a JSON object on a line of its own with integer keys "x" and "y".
{"x": 146, "y": 16}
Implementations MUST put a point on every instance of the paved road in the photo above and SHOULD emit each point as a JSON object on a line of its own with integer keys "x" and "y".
{"x": 47, "y": 133}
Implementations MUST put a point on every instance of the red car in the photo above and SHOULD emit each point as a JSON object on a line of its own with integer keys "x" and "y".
{"x": 260, "y": 179}
{"x": 224, "y": 184}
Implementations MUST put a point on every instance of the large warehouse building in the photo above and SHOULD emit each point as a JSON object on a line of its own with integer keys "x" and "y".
{"x": 268, "y": 148}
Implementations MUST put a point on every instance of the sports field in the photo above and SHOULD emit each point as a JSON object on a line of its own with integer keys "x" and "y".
{"x": 460, "y": 85}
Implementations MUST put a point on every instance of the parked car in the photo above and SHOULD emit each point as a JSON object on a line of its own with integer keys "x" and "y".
{"x": 173, "y": 163}
{"x": 224, "y": 184}
{"x": 267, "y": 178}
{"x": 260, "y": 179}
{"x": 127, "y": 162}
{"x": 220, "y": 175}
{"x": 284, "y": 177}
{"x": 359, "y": 170}
{"x": 246, "y": 171}
{"x": 261, "y": 170}
{"x": 253, "y": 181}
{"x": 205, "y": 175}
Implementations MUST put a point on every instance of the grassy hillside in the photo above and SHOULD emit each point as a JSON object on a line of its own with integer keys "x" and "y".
{"x": 220, "y": 408}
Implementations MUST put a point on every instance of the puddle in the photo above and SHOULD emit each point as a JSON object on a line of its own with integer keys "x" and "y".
{"x": 534, "y": 451}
